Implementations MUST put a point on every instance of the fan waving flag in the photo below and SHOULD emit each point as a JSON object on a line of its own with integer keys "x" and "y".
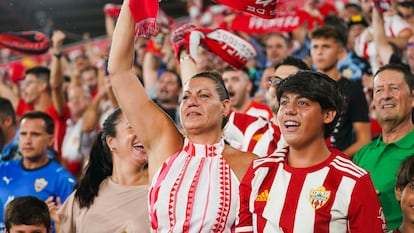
{"x": 262, "y": 8}
{"x": 26, "y": 42}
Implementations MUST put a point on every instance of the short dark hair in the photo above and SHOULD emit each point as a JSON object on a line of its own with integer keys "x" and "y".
{"x": 6, "y": 110}
{"x": 405, "y": 173}
{"x": 292, "y": 61}
{"x": 329, "y": 32}
{"x": 317, "y": 87}
{"x": 243, "y": 69}
{"x": 26, "y": 210}
{"x": 408, "y": 76}
{"x": 41, "y": 73}
{"x": 90, "y": 67}
{"x": 177, "y": 76}
{"x": 286, "y": 37}
{"x": 49, "y": 123}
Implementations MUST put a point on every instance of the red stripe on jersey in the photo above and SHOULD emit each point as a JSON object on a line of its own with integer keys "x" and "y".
{"x": 287, "y": 219}
{"x": 323, "y": 215}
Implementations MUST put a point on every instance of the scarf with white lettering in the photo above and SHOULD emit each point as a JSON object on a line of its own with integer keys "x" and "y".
{"x": 231, "y": 48}
{"x": 144, "y": 13}
{"x": 262, "y": 8}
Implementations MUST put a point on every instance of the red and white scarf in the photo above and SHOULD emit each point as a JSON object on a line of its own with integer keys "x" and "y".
{"x": 231, "y": 48}
{"x": 262, "y": 8}
{"x": 145, "y": 14}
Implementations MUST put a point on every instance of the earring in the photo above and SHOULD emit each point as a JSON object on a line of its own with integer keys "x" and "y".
{"x": 112, "y": 149}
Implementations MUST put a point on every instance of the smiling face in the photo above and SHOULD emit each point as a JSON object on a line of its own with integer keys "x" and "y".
{"x": 126, "y": 143}
{"x": 302, "y": 120}
{"x": 392, "y": 97}
{"x": 201, "y": 108}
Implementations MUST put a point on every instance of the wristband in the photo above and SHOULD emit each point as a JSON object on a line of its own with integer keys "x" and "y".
{"x": 58, "y": 55}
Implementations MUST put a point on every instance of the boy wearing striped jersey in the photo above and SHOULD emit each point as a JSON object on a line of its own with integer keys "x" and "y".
{"x": 308, "y": 187}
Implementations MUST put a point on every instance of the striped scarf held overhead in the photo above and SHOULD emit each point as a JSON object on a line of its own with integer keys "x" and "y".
{"x": 145, "y": 14}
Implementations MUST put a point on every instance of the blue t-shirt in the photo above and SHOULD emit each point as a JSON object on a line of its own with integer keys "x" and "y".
{"x": 16, "y": 181}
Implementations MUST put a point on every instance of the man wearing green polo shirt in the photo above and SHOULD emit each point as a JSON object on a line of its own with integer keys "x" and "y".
{"x": 393, "y": 99}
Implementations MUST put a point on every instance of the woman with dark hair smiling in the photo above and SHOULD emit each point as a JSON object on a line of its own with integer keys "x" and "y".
{"x": 112, "y": 194}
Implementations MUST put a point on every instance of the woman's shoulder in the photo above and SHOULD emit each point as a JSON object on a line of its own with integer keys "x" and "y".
{"x": 238, "y": 161}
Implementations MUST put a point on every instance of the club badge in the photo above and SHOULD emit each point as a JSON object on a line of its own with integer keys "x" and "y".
{"x": 40, "y": 184}
{"x": 318, "y": 197}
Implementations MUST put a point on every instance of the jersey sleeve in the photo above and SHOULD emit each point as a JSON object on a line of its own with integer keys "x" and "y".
{"x": 244, "y": 222}
{"x": 65, "y": 186}
{"x": 365, "y": 211}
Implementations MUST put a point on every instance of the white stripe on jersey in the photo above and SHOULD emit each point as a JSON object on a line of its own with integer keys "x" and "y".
{"x": 274, "y": 207}
{"x": 258, "y": 162}
{"x": 244, "y": 229}
{"x": 341, "y": 203}
{"x": 351, "y": 164}
{"x": 257, "y": 112}
{"x": 346, "y": 168}
{"x": 305, "y": 214}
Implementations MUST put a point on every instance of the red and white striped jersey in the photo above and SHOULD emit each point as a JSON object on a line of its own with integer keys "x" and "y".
{"x": 253, "y": 134}
{"x": 259, "y": 110}
{"x": 194, "y": 191}
{"x": 333, "y": 196}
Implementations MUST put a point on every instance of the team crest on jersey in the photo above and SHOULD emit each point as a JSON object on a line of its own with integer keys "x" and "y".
{"x": 318, "y": 197}
{"x": 40, "y": 184}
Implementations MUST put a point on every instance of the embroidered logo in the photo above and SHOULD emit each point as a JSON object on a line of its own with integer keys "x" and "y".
{"x": 40, "y": 184}
{"x": 318, "y": 197}
{"x": 263, "y": 196}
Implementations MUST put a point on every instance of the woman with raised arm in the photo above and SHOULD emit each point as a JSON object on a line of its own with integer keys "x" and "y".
{"x": 195, "y": 178}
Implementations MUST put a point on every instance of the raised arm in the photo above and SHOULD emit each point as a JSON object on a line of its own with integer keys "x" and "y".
{"x": 156, "y": 131}
{"x": 6, "y": 91}
{"x": 56, "y": 73}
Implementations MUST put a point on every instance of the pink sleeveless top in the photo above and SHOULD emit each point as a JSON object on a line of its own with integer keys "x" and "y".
{"x": 194, "y": 191}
